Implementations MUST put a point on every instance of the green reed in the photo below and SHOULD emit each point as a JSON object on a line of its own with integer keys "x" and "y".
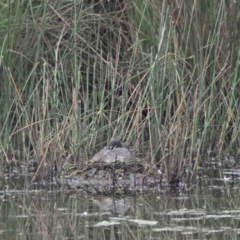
{"x": 154, "y": 74}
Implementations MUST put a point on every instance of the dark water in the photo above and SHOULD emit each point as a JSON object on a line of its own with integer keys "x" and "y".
{"x": 209, "y": 210}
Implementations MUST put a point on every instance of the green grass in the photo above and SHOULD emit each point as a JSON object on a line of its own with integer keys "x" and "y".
{"x": 159, "y": 76}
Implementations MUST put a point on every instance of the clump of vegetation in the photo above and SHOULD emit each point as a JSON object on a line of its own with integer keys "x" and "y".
{"x": 159, "y": 75}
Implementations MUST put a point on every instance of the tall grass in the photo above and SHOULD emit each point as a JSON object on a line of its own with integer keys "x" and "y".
{"x": 157, "y": 74}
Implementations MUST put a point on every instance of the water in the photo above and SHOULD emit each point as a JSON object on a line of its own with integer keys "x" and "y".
{"x": 209, "y": 210}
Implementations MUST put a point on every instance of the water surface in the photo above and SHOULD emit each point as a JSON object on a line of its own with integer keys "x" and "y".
{"x": 49, "y": 210}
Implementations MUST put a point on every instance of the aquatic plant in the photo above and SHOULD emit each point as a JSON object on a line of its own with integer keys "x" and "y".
{"x": 160, "y": 75}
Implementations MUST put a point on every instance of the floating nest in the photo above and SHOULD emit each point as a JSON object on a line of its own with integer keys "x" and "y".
{"x": 133, "y": 174}
{"x": 112, "y": 166}
{"x": 116, "y": 169}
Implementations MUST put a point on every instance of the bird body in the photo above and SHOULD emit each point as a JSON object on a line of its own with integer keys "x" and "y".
{"x": 114, "y": 153}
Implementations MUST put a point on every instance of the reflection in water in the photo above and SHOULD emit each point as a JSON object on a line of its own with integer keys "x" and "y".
{"x": 115, "y": 206}
{"x": 59, "y": 212}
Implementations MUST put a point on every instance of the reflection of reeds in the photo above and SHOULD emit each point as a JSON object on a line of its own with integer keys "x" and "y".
{"x": 160, "y": 75}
